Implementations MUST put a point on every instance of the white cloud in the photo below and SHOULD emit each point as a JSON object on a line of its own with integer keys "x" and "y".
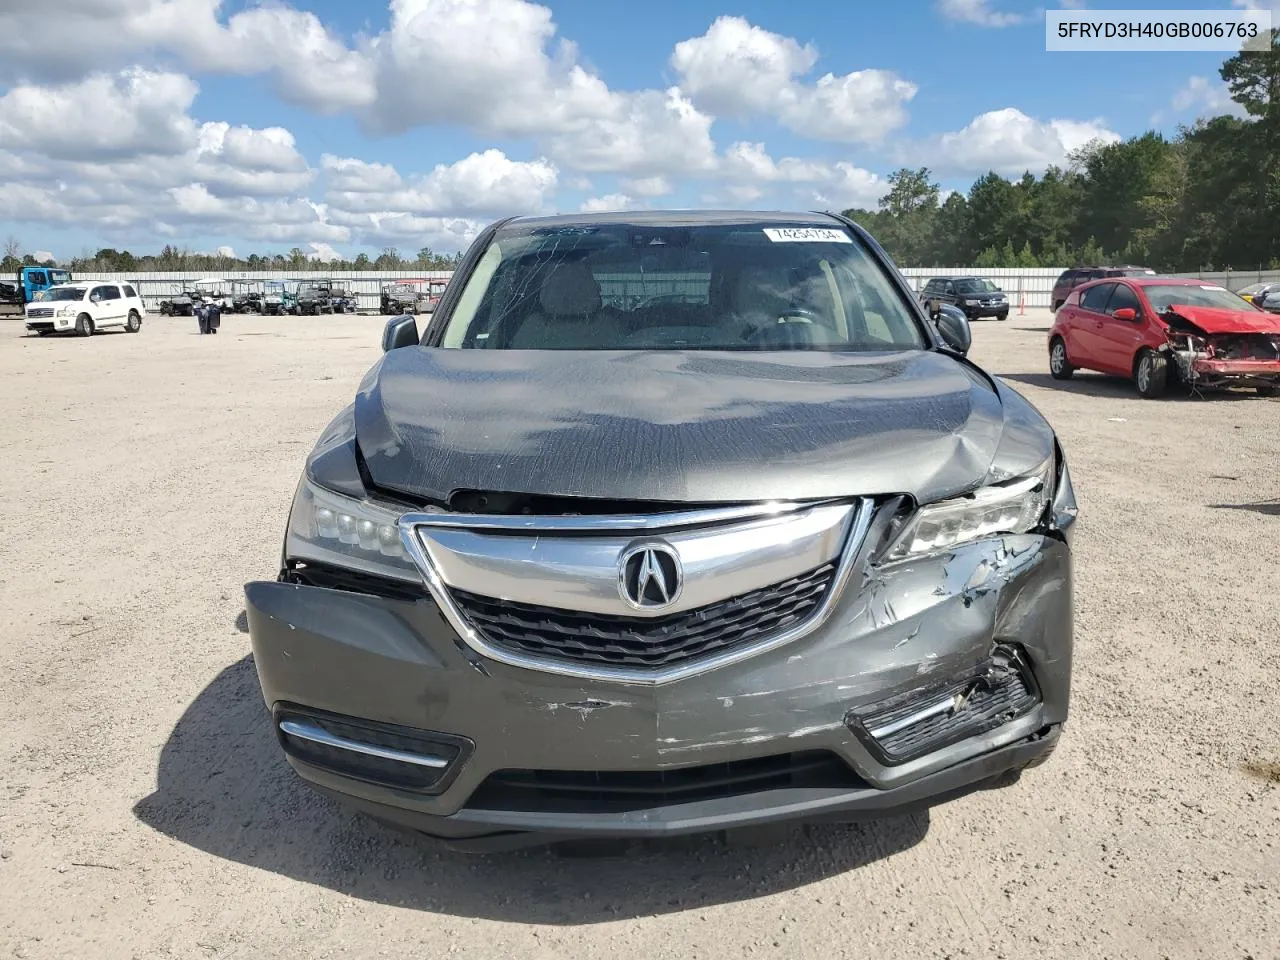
{"x": 486, "y": 183}
{"x": 749, "y": 173}
{"x": 43, "y": 256}
{"x": 608, "y": 203}
{"x": 129, "y": 113}
{"x": 311, "y": 64}
{"x": 742, "y": 70}
{"x": 322, "y": 251}
{"x": 492, "y": 70}
{"x": 646, "y": 186}
{"x": 409, "y": 230}
{"x": 225, "y": 251}
{"x": 1272, "y": 5}
{"x": 980, "y": 13}
{"x": 1203, "y": 97}
{"x": 1008, "y": 141}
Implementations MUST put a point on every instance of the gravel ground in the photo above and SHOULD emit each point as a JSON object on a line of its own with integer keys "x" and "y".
{"x": 145, "y": 810}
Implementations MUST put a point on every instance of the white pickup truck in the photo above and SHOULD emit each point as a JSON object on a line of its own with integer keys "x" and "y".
{"x": 85, "y": 307}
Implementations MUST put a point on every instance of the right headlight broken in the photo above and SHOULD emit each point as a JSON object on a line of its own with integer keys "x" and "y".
{"x": 1007, "y": 508}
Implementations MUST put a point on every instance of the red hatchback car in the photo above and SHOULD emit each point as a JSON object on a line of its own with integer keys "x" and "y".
{"x": 1162, "y": 330}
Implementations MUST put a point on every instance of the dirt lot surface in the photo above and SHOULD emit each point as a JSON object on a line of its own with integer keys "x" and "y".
{"x": 145, "y": 810}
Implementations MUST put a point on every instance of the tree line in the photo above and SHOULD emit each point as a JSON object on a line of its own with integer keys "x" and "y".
{"x": 1208, "y": 198}
{"x": 110, "y": 260}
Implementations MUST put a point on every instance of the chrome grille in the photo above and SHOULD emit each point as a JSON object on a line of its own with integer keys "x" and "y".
{"x": 36, "y": 312}
{"x": 554, "y": 592}
{"x": 648, "y": 641}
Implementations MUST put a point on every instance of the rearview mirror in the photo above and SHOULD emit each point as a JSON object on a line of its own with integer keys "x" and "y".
{"x": 399, "y": 332}
{"x": 1126, "y": 313}
{"x": 953, "y": 325}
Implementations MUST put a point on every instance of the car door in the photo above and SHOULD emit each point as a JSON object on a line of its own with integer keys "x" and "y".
{"x": 111, "y": 306}
{"x": 1118, "y": 340}
{"x": 1084, "y": 346}
{"x": 948, "y": 294}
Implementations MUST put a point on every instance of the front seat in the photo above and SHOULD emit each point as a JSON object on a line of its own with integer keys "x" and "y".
{"x": 569, "y": 314}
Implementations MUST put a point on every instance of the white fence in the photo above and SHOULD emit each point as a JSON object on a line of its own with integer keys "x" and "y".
{"x": 1033, "y": 283}
{"x": 366, "y": 285}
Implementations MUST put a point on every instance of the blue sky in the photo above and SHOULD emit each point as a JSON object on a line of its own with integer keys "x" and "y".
{"x": 342, "y": 127}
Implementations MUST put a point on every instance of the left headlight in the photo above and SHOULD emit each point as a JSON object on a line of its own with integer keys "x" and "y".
{"x": 971, "y": 303}
{"x": 326, "y": 527}
{"x": 1013, "y": 507}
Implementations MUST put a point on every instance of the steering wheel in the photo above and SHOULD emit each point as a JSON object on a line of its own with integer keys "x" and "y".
{"x": 799, "y": 315}
{"x": 791, "y": 329}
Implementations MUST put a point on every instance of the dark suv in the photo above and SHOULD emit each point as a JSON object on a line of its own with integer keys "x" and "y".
{"x": 975, "y": 296}
{"x": 1074, "y": 277}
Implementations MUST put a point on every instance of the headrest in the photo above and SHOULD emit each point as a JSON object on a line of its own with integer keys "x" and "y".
{"x": 571, "y": 291}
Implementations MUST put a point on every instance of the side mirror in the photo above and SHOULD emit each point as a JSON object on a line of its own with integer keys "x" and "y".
{"x": 1126, "y": 313}
{"x": 954, "y": 328}
{"x": 399, "y": 332}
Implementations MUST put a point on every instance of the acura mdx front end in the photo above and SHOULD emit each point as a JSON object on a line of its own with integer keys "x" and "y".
{"x": 670, "y": 523}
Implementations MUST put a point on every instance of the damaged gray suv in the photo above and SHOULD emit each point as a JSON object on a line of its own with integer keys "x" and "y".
{"x": 670, "y": 523}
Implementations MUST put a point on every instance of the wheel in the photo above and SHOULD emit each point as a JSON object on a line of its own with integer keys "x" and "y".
{"x": 165, "y": 311}
{"x": 84, "y": 325}
{"x": 1151, "y": 374}
{"x": 1002, "y": 317}
{"x": 134, "y": 323}
{"x": 1059, "y": 365}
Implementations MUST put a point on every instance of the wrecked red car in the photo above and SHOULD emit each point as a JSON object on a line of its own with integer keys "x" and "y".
{"x": 1166, "y": 331}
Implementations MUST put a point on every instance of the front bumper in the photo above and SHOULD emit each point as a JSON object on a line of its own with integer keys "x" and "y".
{"x": 899, "y": 634}
{"x": 995, "y": 310}
{"x": 1236, "y": 369}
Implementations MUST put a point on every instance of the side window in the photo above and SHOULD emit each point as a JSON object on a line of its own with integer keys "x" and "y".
{"x": 109, "y": 293}
{"x": 38, "y": 277}
{"x": 129, "y": 291}
{"x": 950, "y": 288}
{"x": 1095, "y": 298}
{"x": 1123, "y": 297}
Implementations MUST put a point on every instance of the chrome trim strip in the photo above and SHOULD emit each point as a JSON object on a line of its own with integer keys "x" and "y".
{"x": 617, "y": 523}
{"x": 583, "y": 572}
{"x": 315, "y": 734}
{"x": 924, "y": 713}
{"x": 854, "y": 549}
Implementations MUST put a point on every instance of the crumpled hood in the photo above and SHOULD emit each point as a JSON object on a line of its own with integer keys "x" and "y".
{"x": 689, "y": 426}
{"x": 1222, "y": 320}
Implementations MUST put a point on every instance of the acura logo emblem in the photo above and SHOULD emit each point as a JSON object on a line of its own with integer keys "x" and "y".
{"x": 649, "y": 576}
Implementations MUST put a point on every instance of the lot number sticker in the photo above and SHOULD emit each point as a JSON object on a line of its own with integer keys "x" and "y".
{"x": 806, "y": 235}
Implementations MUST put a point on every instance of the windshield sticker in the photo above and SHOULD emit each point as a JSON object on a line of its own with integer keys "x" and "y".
{"x": 806, "y": 235}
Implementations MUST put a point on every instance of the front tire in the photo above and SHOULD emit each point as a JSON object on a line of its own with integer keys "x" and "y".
{"x": 134, "y": 323}
{"x": 1151, "y": 374}
{"x": 1002, "y": 317}
{"x": 84, "y": 325}
{"x": 1059, "y": 366}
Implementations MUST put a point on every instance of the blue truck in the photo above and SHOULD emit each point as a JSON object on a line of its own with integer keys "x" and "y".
{"x": 30, "y": 284}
